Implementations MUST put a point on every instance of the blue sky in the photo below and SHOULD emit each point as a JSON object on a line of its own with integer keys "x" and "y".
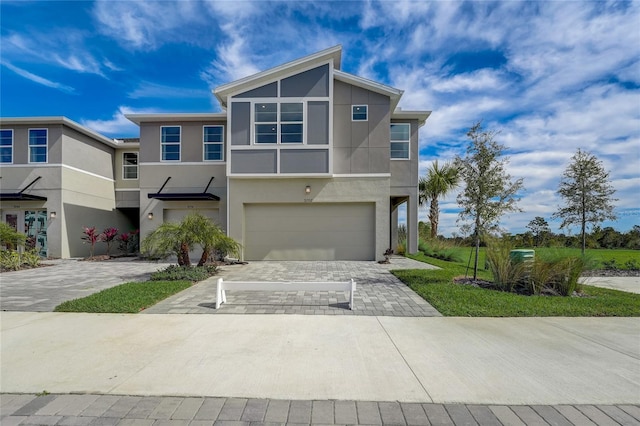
{"x": 552, "y": 77}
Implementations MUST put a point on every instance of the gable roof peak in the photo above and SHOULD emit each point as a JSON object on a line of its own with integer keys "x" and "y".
{"x": 332, "y": 53}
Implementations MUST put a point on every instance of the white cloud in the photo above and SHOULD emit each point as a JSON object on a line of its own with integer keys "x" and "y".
{"x": 38, "y": 79}
{"x": 118, "y": 125}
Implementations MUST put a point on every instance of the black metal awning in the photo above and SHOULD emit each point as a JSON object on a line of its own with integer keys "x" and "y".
{"x": 184, "y": 196}
{"x": 18, "y": 196}
{"x": 21, "y": 196}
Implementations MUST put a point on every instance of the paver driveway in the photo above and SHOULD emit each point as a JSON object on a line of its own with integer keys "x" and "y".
{"x": 42, "y": 289}
{"x": 378, "y": 292}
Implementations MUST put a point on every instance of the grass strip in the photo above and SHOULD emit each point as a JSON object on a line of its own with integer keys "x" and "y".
{"x": 437, "y": 288}
{"x": 127, "y": 298}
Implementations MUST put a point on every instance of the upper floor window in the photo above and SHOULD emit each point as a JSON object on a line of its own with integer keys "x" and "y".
{"x": 279, "y": 123}
{"x": 37, "y": 145}
{"x": 213, "y": 141}
{"x": 170, "y": 143}
{"x": 6, "y": 146}
{"x": 129, "y": 165}
{"x": 400, "y": 138}
{"x": 359, "y": 113}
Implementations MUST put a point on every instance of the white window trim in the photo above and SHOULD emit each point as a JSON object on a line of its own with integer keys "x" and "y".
{"x": 212, "y": 143}
{"x": 171, "y": 143}
{"x": 279, "y": 122}
{"x": 363, "y": 105}
{"x": 125, "y": 166}
{"x": 46, "y": 145}
{"x": 12, "y": 143}
{"x": 408, "y": 143}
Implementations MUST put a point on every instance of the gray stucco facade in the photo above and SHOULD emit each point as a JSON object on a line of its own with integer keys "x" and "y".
{"x": 297, "y": 166}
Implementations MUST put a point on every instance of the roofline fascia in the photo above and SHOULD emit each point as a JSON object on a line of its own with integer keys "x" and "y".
{"x": 60, "y": 120}
{"x": 154, "y": 118}
{"x": 421, "y": 116}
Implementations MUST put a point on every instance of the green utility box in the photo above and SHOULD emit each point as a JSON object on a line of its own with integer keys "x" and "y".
{"x": 522, "y": 255}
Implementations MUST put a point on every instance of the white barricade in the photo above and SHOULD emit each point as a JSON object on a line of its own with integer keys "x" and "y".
{"x": 221, "y": 297}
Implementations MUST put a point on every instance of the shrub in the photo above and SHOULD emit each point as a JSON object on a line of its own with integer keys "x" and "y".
{"x": 9, "y": 237}
{"x": 10, "y": 260}
{"x": 128, "y": 241}
{"x": 31, "y": 258}
{"x": 401, "y": 249}
{"x": 506, "y": 273}
{"x": 90, "y": 237}
{"x": 181, "y": 273}
{"x": 631, "y": 265}
{"x": 107, "y": 236}
{"x": 440, "y": 249}
{"x": 609, "y": 265}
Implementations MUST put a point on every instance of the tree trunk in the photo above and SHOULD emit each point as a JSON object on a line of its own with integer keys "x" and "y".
{"x": 433, "y": 217}
{"x": 475, "y": 261}
{"x": 184, "y": 254}
{"x": 204, "y": 257}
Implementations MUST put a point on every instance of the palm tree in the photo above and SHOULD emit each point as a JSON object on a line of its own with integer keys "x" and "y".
{"x": 438, "y": 182}
{"x": 178, "y": 239}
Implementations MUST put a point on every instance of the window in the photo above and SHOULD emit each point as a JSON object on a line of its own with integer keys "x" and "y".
{"x": 359, "y": 113}
{"x": 400, "y": 138}
{"x": 37, "y": 145}
{"x": 213, "y": 140}
{"x": 170, "y": 143}
{"x": 6, "y": 146}
{"x": 286, "y": 129}
{"x": 129, "y": 165}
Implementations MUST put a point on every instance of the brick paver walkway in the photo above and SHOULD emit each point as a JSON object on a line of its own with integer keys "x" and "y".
{"x": 378, "y": 292}
{"x": 16, "y": 409}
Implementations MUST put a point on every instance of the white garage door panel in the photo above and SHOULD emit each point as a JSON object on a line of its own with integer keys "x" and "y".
{"x": 343, "y": 231}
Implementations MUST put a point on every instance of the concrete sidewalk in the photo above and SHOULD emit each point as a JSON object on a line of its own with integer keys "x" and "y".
{"x": 628, "y": 284}
{"x": 292, "y": 357}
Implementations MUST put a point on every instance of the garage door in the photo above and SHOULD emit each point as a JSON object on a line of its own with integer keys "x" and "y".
{"x": 344, "y": 231}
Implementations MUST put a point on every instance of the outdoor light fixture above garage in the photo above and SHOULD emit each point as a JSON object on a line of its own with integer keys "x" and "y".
{"x": 307, "y": 190}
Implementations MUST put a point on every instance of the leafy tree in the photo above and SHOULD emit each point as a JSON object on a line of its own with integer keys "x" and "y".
{"x": 489, "y": 191}
{"x": 438, "y": 183}
{"x": 587, "y": 193}
{"x": 179, "y": 238}
{"x": 540, "y": 229}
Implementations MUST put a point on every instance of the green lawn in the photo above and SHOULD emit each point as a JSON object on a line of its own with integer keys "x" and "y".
{"x": 437, "y": 288}
{"x": 126, "y": 298}
{"x": 597, "y": 256}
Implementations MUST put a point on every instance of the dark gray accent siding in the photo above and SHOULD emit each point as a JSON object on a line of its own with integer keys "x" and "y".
{"x": 267, "y": 91}
{"x": 254, "y": 161}
{"x": 240, "y": 123}
{"x": 314, "y": 82}
{"x": 318, "y": 123}
{"x": 304, "y": 161}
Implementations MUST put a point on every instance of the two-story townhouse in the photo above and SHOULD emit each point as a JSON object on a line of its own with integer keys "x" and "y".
{"x": 56, "y": 177}
{"x": 305, "y": 163}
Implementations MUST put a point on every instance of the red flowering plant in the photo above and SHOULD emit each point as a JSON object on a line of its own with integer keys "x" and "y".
{"x": 108, "y": 236}
{"x": 90, "y": 237}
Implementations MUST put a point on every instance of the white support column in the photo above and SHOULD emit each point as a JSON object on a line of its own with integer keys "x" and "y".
{"x": 412, "y": 223}
{"x": 394, "y": 229}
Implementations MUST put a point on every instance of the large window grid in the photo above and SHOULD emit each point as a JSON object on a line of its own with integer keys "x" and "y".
{"x": 400, "y": 141}
{"x": 38, "y": 145}
{"x": 279, "y": 123}
{"x": 213, "y": 143}
{"x": 6, "y": 146}
{"x": 129, "y": 165}
{"x": 170, "y": 142}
